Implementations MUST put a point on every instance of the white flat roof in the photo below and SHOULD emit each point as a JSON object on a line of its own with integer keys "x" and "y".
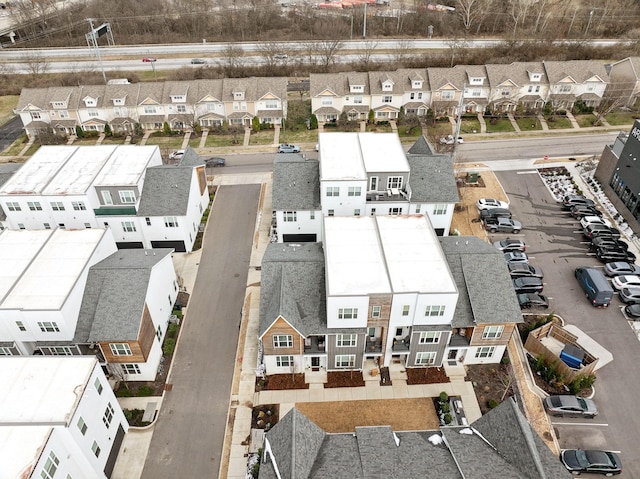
{"x": 51, "y": 275}
{"x": 348, "y": 156}
{"x": 126, "y": 165}
{"x": 78, "y": 173}
{"x": 35, "y": 174}
{"x": 20, "y": 448}
{"x": 415, "y": 260}
{"x": 354, "y": 261}
{"x": 42, "y": 390}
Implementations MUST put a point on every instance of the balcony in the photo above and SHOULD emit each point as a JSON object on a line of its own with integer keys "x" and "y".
{"x": 374, "y": 345}
{"x": 392, "y": 194}
{"x": 314, "y": 344}
{"x": 115, "y": 211}
{"x": 401, "y": 345}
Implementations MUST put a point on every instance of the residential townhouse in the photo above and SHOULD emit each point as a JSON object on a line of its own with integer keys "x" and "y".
{"x": 125, "y": 188}
{"x": 465, "y": 85}
{"x": 72, "y": 293}
{"x": 501, "y": 443}
{"x": 518, "y": 83}
{"x": 576, "y": 80}
{"x": 180, "y": 104}
{"x": 58, "y": 418}
{"x": 360, "y": 174}
{"x": 383, "y": 288}
{"x": 624, "y": 78}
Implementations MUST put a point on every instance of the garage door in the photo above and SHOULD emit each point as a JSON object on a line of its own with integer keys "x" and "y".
{"x": 113, "y": 454}
{"x": 176, "y": 245}
{"x": 310, "y": 238}
{"x": 131, "y": 245}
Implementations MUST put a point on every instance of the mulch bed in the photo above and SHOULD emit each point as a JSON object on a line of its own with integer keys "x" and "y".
{"x": 344, "y": 379}
{"x": 265, "y": 416}
{"x": 278, "y": 382}
{"x": 489, "y": 382}
{"x": 426, "y": 376}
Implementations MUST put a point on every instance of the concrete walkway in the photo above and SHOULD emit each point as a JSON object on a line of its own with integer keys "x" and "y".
{"x": 572, "y": 119}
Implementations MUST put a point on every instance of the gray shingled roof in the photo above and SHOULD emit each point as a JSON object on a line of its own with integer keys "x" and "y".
{"x": 114, "y": 296}
{"x": 483, "y": 281}
{"x": 190, "y": 158}
{"x": 166, "y": 191}
{"x": 296, "y": 183}
{"x": 579, "y": 70}
{"x": 431, "y": 178}
{"x": 508, "y": 447}
{"x": 517, "y": 72}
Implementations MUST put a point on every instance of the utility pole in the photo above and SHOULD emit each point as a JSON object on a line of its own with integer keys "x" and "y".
{"x": 588, "y": 23}
{"x": 364, "y": 27}
{"x": 91, "y": 37}
{"x": 459, "y": 120}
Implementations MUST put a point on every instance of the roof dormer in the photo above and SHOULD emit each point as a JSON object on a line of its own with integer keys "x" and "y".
{"x": 387, "y": 85}
{"x": 90, "y": 101}
{"x": 534, "y": 76}
{"x": 476, "y": 80}
{"x": 238, "y": 95}
{"x": 183, "y": 98}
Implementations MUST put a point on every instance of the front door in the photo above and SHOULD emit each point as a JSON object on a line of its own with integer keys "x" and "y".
{"x": 452, "y": 356}
{"x": 315, "y": 363}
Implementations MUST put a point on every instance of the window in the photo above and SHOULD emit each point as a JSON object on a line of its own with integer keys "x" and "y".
{"x": 348, "y": 313}
{"x": 130, "y": 369}
{"x": 106, "y": 197}
{"x": 35, "y": 115}
{"x": 21, "y": 226}
{"x": 333, "y": 191}
{"x": 282, "y": 341}
{"x": 426, "y": 358}
{"x": 485, "y": 352}
{"x": 107, "y": 417}
{"x": 171, "y": 221}
{"x": 290, "y": 216}
{"x": 93, "y": 113}
{"x": 375, "y": 312}
{"x": 439, "y": 209}
{"x": 492, "y": 332}
{"x": 354, "y": 191}
{"x": 330, "y": 213}
{"x": 127, "y": 196}
{"x": 96, "y": 449}
{"x": 87, "y": 226}
{"x": 429, "y": 337}
{"x": 405, "y": 310}
{"x": 345, "y": 361}
{"x": 537, "y": 88}
{"x": 78, "y": 206}
{"x": 346, "y": 340}
{"x": 357, "y": 100}
{"x": 20, "y": 325}
{"x": 13, "y": 206}
{"x": 129, "y": 226}
{"x": 387, "y": 98}
{"x": 373, "y": 211}
{"x": 82, "y": 426}
{"x": 60, "y": 351}
{"x": 418, "y": 208}
{"x": 312, "y": 215}
{"x": 159, "y": 333}
{"x": 434, "y": 310}
{"x": 149, "y": 110}
{"x": 4, "y": 351}
{"x": 98, "y": 385}
{"x": 47, "y": 226}
{"x": 355, "y": 88}
{"x": 120, "y": 349}
{"x": 356, "y": 212}
{"x": 373, "y": 183}
{"x": 394, "y": 182}
{"x": 181, "y": 108}
{"x": 48, "y": 327}
{"x": 57, "y": 206}
{"x": 61, "y": 226}
{"x": 34, "y": 205}
{"x": 395, "y": 211}
{"x": 448, "y": 95}
{"x": 565, "y": 88}
{"x": 148, "y": 220}
{"x": 50, "y": 466}
{"x": 284, "y": 361}
{"x": 327, "y": 101}
{"x": 399, "y": 332}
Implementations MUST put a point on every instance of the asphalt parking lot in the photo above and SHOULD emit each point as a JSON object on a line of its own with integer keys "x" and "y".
{"x": 555, "y": 244}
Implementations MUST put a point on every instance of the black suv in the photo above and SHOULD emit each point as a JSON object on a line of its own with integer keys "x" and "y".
{"x": 593, "y": 230}
{"x": 533, "y": 300}
{"x": 528, "y": 285}
{"x": 495, "y": 213}
{"x": 569, "y": 201}
{"x": 607, "y": 255}
{"x": 519, "y": 270}
{"x": 607, "y": 242}
{"x": 580, "y": 210}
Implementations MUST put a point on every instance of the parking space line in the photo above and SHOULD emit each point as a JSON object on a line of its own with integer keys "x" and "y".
{"x": 599, "y": 424}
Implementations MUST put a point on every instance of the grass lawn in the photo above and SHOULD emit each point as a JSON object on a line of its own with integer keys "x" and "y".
{"x": 559, "y": 122}
{"x": 501, "y": 125}
{"x": 7, "y": 104}
{"x": 585, "y": 121}
{"x": 263, "y": 137}
{"x": 299, "y": 136}
{"x": 406, "y": 132}
{"x": 222, "y": 140}
{"x": 469, "y": 125}
{"x": 440, "y": 128}
{"x": 16, "y": 147}
{"x": 529, "y": 124}
{"x": 379, "y": 128}
{"x": 173, "y": 142}
{"x": 621, "y": 118}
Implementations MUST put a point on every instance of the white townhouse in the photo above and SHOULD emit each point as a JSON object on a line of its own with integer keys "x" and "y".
{"x": 518, "y": 83}
{"x": 414, "y": 84}
{"x": 387, "y": 95}
{"x": 573, "y": 80}
{"x": 335, "y": 93}
{"x": 624, "y": 76}
{"x": 59, "y": 418}
{"x": 42, "y": 279}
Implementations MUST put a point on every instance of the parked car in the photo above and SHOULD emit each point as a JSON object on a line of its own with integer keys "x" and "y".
{"x": 214, "y": 161}
{"x": 630, "y": 295}
{"x": 595, "y": 286}
{"x": 580, "y": 211}
{"x": 516, "y": 257}
{"x": 198, "y": 61}
{"x": 600, "y": 230}
{"x": 570, "y": 201}
{"x": 626, "y": 281}
{"x": 148, "y": 59}
{"x": 570, "y": 406}
{"x": 518, "y": 270}
{"x": 176, "y": 155}
{"x": 607, "y": 242}
{"x": 615, "y": 254}
{"x": 618, "y": 268}
{"x": 510, "y": 245}
{"x": 633, "y": 311}
{"x": 448, "y": 140}
{"x": 495, "y": 213}
{"x": 286, "y": 148}
{"x": 602, "y": 462}
{"x": 488, "y": 203}
{"x": 594, "y": 220}
{"x": 502, "y": 225}
{"x": 528, "y": 285}
{"x": 533, "y": 300}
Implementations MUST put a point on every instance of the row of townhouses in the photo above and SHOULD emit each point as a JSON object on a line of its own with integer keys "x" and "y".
{"x": 124, "y": 188}
{"x": 181, "y": 104}
{"x": 371, "y": 279}
{"x": 210, "y": 103}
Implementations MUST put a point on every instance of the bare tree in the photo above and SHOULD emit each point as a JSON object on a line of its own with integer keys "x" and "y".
{"x": 232, "y": 62}
{"x": 328, "y": 49}
{"x": 456, "y": 46}
{"x": 311, "y": 51}
{"x": 402, "y": 51}
{"x": 367, "y": 52}
{"x": 271, "y": 54}
{"x": 606, "y": 107}
{"x": 468, "y": 11}
{"x": 36, "y": 63}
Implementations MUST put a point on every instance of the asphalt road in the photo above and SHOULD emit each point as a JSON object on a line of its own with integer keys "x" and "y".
{"x": 555, "y": 243}
{"x": 10, "y": 132}
{"x": 189, "y": 434}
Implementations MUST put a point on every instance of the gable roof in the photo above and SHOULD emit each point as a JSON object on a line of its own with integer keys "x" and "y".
{"x": 516, "y": 72}
{"x": 431, "y": 178}
{"x": 166, "y": 191}
{"x": 296, "y": 183}
{"x": 579, "y": 70}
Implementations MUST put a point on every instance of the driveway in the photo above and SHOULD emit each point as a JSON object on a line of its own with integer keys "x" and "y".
{"x": 10, "y": 132}
{"x": 555, "y": 243}
{"x": 189, "y": 433}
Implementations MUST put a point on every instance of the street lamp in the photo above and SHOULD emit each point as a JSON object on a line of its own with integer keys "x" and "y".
{"x": 588, "y": 23}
